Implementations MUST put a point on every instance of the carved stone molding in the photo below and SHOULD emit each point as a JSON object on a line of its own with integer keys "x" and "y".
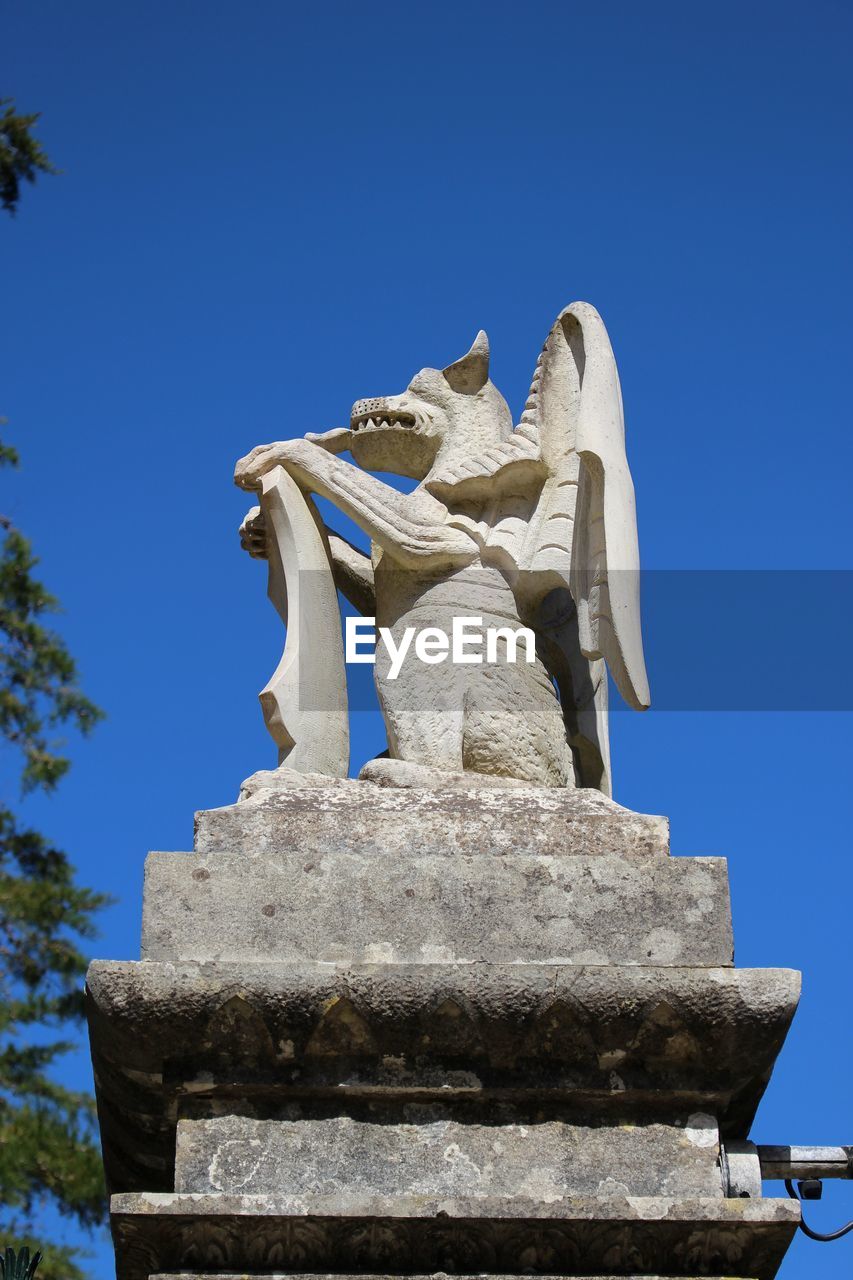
{"x": 625, "y": 1041}
{"x": 251, "y": 1234}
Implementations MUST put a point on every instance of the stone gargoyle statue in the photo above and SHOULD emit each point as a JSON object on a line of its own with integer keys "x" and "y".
{"x": 532, "y": 526}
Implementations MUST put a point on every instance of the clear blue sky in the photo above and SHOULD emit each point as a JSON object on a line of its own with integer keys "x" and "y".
{"x": 268, "y": 210}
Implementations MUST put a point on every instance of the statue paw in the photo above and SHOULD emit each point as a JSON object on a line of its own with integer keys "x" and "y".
{"x": 253, "y": 534}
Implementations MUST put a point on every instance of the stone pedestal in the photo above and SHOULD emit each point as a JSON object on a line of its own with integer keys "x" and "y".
{"x": 398, "y": 1032}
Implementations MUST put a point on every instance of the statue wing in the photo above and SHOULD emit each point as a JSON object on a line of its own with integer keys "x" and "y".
{"x": 561, "y": 511}
{"x": 582, "y": 532}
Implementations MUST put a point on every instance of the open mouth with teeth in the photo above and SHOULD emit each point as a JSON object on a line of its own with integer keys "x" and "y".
{"x": 381, "y": 420}
{"x": 387, "y": 436}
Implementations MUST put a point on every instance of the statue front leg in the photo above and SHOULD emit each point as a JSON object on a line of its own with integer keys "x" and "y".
{"x": 411, "y": 527}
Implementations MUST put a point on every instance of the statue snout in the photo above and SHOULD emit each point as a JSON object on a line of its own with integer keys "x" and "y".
{"x": 366, "y": 408}
{"x": 377, "y": 414}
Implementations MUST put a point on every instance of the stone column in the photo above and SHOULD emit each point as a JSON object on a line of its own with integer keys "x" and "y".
{"x": 408, "y": 1032}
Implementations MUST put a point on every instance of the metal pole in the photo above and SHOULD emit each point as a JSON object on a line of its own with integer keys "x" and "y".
{"x": 801, "y": 1163}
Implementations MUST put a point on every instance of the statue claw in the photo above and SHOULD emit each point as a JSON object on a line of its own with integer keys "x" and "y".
{"x": 337, "y": 440}
{"x": 253, "y": 534}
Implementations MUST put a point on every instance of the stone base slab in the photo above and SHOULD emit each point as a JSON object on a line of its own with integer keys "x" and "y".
{"x": 349, "y": 816}
{"x": 158, "y": 1234}
{"x": 360, "y": 907}
{"x": 429, "y": 1154}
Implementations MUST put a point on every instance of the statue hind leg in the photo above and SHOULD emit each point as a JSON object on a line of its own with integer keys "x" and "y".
{"x": 422, "y": 714}
{"x": 513, "y": 727}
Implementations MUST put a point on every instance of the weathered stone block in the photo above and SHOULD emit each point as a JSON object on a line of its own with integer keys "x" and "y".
{"x": 363, "y": 907}
{"x": 427, "y": 1155}
{"x": 347, "y": 816}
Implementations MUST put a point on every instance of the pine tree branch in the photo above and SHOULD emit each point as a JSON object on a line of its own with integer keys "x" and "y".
{"x": 22, "y": 156}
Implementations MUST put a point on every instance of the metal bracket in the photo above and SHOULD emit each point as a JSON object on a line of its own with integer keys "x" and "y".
{"x": 740, "y": 1169}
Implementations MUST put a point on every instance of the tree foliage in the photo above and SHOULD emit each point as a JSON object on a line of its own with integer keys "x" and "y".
{"x": 49, "y": 1154}
{"x": 22, "y": 156}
